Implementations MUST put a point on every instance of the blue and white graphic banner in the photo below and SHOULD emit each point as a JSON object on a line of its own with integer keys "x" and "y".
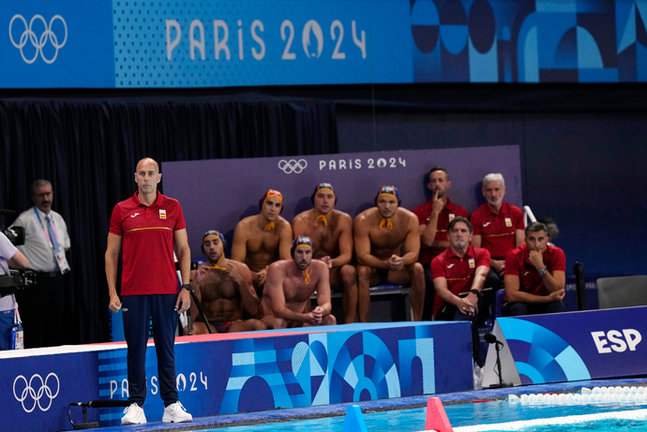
{"x": 299, "y": 368}
{"x": 239, "y": 372}
{"x": 577, "y": 345}
{"x": 251, "y": 42}
{"x": 204, "y": 43}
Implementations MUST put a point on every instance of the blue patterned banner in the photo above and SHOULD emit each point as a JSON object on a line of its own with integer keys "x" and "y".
{"x": 252, "y": 42}
{"x": 240, "y": 372}
{"x": 576, "y": 346}
{"x": 303, "y": 367}
{"x": 146, "y": 43}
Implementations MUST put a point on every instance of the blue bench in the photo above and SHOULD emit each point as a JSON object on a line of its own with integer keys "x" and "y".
{"x": 389, "y": 303}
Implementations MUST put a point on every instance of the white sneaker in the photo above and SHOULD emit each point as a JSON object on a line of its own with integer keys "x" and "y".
{"x": 133, "y": 414}
{"x": 176, "y": 413}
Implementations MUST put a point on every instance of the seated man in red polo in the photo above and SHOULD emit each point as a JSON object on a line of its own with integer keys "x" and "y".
{"x": 433, "y": 218}
{"x": 535, "y": 275}
{"x": 459, "y": 275}
{"x": 498, "y": 227}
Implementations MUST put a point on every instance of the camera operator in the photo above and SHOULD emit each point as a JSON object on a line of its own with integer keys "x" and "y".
{"x": 9, "y": 256}
{"x": 42, "y": 307}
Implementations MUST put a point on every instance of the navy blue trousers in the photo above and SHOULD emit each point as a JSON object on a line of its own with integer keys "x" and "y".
{"x": 520, "y": 308}
{"x": 137, "y": 311}
{"x": 449, "y": 312}
{"x": 6, "y": 324}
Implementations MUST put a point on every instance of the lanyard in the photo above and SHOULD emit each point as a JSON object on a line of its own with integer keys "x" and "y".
{"x": 45, "y": 233}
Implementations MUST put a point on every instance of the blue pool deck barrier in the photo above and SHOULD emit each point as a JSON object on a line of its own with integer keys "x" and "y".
{"x": 319, "y": 370}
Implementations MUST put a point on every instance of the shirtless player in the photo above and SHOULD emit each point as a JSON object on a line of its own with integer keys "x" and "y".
{"x": 263, "y": 238}
{"x": 289, "y": 285}
{"x": 387, "y": 243}
{"x": 224, "y": 287}
{"x": 331, "y": 232}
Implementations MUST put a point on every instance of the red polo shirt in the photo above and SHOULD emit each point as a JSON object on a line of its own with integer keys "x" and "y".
{"x": 497, "y": 230}
{"x": 447, "y": 214}
{"x": 459, "y": 272}
{"x": 148, "y": 265}
{"x": 518, "y": 264}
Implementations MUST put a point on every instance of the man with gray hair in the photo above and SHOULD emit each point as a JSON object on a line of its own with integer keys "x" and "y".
{"x": 44, "y": 306}
{"x": 535, "y": 275}
{"x": 498, "y": 227}
{"x": 459, "y": 275}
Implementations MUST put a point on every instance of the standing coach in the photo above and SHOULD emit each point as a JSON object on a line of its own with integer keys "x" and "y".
{"x": 145, "y": 227}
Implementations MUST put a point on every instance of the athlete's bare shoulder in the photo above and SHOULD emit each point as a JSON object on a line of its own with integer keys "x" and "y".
{"x": 245, "y": 224}
{"x": 342, "y": 217}
{"x": 304, "y": 216}
{"x": 367, "y": 216}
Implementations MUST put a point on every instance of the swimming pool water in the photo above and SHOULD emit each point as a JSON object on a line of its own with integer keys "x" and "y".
{"x": 470, "y": 414}
{"x": 502, "y": 411}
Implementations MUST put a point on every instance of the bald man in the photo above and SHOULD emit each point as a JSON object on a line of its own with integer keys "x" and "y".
{"x": 145, "y": 228}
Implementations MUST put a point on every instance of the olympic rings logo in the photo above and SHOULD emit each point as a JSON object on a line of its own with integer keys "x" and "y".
{"x": 29, "y": 35}
{"x": 31, "y": 394}
{"x": 293, "y": 166}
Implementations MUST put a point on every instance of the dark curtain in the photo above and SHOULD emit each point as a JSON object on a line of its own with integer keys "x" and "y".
{"x": 88, "y": 147}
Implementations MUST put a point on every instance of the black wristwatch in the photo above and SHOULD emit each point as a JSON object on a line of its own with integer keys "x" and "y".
{"x": 187, "y": 287}
{"x": 475, "y": 291}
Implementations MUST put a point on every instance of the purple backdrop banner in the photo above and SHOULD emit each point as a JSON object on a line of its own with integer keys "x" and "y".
{"x": 217, "y": 193}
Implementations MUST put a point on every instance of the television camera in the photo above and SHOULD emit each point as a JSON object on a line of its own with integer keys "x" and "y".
{"x": 16, "y": 279}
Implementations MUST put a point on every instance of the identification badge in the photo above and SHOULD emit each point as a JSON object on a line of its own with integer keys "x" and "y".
{"x": 451, "y": 216}
{"x": 508, "y": 222}
{"x": 471, "y": 263}
{"x": 63, "y": 266}
{"x": 162, "y": 214}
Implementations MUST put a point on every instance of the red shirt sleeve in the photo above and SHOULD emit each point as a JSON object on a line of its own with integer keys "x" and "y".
{"x": 476, "y": 223}
{"x": 180, "y": 223}
{"x": 418, "y": 211}
{"x": 483, "y": 258}
{"x": 511, "y": 263}
{"x": 115, "y": 221}
{"x": 518, "y": 223}
{"x": 437, "y": 267}
{"x": 558, "y": 261}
